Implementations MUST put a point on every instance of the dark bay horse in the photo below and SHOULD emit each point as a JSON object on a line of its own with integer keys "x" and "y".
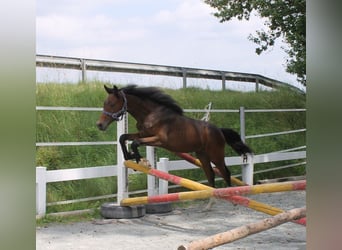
{"x": 161, "y": 123}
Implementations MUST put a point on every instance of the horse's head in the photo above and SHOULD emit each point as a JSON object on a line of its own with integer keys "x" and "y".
{"x": 114, "y": 107}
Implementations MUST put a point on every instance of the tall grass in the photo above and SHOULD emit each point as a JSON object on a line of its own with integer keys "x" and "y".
{"x": 71, "y": 126}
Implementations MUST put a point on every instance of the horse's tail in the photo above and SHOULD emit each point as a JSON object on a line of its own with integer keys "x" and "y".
{"x": 233, "y": 139}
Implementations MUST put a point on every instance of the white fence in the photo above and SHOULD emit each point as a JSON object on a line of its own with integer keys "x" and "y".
{"x": 44, "y": 176}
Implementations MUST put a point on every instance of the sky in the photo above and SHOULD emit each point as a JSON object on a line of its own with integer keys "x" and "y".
{"x": 169, "y": 32}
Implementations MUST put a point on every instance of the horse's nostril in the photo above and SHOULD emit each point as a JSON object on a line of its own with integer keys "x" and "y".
{"x": 99, "y": 125}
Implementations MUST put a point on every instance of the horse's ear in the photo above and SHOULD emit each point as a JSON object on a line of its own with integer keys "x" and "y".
{"x": 109, "y": 90}
{"x": 115, "y": 90}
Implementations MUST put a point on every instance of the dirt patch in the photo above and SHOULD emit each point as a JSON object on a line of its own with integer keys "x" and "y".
{"x": 182, "y": 225}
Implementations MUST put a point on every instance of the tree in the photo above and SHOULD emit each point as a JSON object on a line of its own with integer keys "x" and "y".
{"x": 285, "y": 19}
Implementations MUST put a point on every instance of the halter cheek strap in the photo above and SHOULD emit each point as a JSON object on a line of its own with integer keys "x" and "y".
{"x": 117, "y": 116}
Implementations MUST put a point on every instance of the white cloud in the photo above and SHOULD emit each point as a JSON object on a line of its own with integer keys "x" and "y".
{"x": 187, "y": 10}
{"x": 74, "y": 7}
{"x": 97, "y": 29}
{"x": 183, "y": 33}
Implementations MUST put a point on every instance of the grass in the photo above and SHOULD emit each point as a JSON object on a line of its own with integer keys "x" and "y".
{"x": 71, "y": 126}
{"x": 84, "y": 216}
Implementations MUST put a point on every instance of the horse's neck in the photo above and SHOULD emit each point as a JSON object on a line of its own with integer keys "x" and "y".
{"x": 138, "y": 108}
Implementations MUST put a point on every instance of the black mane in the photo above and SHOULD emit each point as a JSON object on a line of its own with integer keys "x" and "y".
{"x": 154, "y": 94}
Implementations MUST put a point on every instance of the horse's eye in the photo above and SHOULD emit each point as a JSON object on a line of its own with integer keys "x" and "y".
{"x": 106, "y": 103}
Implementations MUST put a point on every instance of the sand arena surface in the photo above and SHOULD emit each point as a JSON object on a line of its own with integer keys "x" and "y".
{"x": 182, "y": 225}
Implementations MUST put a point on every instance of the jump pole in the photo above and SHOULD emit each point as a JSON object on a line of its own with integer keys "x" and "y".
{"x": 243, "y": 231}
{"x": 240, "y": 200}
{"x": 197, "y": 162}
{"x": 218, "y": 192}
{"x": 234, "y": 180}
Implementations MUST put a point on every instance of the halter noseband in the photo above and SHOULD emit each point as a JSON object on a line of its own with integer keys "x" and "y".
{"x": 117, "y": 116}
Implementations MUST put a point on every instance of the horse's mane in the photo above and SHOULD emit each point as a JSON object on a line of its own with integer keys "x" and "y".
{"x": 154, "y": 94}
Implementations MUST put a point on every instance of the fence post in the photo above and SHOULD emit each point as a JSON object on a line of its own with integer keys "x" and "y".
{"x": 40, "y": 191}
{"x": 223, "y": 81}
{"x": 163, "y": 165}
{"x": 84, "y": 70}
{"x": 184, "y": 78}
{"x": 242, "y": 124}
{"x": 248, "y": 171}
{"x": 122, "y": 178}
{"x": 152, "y": 181}
{"x": 247, "y": 168}
{"x": 256, "y": 85}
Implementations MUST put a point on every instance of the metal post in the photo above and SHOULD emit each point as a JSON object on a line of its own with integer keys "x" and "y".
{"x": 184, "y": 78}
{"x": 223, "y": 81}
{"x": 256, "y": 85}
{"x": 242, "y": 124}
{"x": 122, "y": 177}
{"x": 84, "y": 70}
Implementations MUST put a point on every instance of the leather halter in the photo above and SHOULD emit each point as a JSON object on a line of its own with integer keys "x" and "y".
{"x": 117, "y": 116}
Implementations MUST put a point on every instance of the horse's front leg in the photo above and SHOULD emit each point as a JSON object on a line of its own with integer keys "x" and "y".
{"x": 123, "y": 138}
{"x": 135, "y": 144}
{"x": 149, "y": 141}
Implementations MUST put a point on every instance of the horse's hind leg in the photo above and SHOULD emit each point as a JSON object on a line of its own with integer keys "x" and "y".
{"x": 209, "y": 172}
{"x": 224, "y": 171}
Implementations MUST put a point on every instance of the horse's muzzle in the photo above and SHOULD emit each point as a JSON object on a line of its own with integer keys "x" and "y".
{"x": 101, "y": 126}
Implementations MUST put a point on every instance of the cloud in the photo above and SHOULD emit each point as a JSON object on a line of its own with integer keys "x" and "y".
{"x": 74, "y": 7}
{"x": 83, "y": 29}
{"x": 170, "y": 32}
{"x": 189, "y": 23}
{"x": 188, "y": 10}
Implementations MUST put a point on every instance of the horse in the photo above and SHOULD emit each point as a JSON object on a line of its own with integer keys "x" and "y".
{"x": 161, "y": 123}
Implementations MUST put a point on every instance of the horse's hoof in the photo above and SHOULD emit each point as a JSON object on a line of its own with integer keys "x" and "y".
{"x": 137, "y": 158}
{"x": 144, "y": 162}
{"x": 131, "y": 155}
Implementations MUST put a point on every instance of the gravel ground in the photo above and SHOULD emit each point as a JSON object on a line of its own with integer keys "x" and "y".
{"x": 182, "y": 225}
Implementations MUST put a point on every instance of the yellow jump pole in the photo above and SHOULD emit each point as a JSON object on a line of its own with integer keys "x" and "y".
{"x": 240, "y": 200}
{"x": 219, "y": 193}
